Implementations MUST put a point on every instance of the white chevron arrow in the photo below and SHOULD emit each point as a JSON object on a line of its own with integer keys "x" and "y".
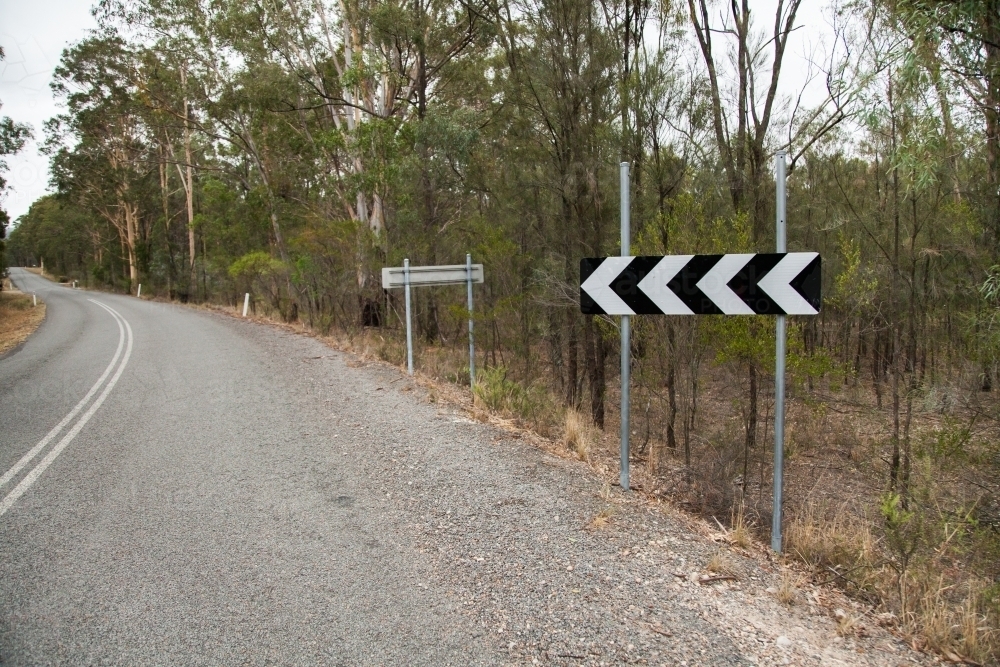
{"x": 654, "y": 285}
{"x": 777, "y": 283}
{"x": 714, "y": 284}
{"x": 598, "y": 286}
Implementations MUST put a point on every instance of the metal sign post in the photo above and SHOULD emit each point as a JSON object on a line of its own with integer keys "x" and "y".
{"x": 472, "y": 344}
{"x": 409, "y": 334}
{"x": 448, "y": 274}
{"x": 626, "y": 338}
{"x": 779, "y": 363}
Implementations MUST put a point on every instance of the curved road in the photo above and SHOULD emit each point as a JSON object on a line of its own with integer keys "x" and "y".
{"x": 183, "y": 487}
{"x": 195, "y": 517}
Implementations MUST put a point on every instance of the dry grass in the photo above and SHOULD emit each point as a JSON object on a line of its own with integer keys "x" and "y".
{"x": 601, "y": 519}
{"x": 788, "y": 589}
{"x": 576, "y": 434}
{"x": 846, "y": 623}
{"x": 952, "y": 625}
{"x": 721, "y": 563}
{"x": 836, "y": 539}
{"x": 741, "y": 534}
{"x": 978, "y": 641}
{"x": 936, "y": 612}
{"x": 18, "y": 318}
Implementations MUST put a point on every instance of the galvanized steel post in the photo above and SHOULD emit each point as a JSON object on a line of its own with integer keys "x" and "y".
{"x": 626, "y": 342}
{"x": 472, "y": 345}
{"x": 779, "y": 362}
{"x": 409, "y": 333}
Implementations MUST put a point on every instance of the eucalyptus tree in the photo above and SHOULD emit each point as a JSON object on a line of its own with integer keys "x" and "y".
{"x": 99, "y": 148}
{"x": 204, "y": 93}
{"x": 346, "y": 77}
{"x": 751, "y": 118}
{"x": 71, "y": 240}
{"x": 962, "y": 37}
{"x": 563, "y": 68}
{"x": 925, "y": 242}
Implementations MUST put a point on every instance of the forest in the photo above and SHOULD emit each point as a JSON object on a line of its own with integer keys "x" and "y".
{"x": 291, "y": 149}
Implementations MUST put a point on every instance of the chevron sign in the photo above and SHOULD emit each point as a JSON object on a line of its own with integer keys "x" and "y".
{"x": 733, "y": 284}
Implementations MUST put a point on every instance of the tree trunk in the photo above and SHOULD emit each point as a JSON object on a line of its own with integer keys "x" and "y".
{"x": 671, "y": 387}
{"x": 130, "y": 234}
{"x": 572, "y": 368}
{"x": 597, "y": 357}
{"x": 188, "y": 178}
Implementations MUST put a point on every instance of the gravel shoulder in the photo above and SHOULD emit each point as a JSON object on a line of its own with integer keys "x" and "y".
{"x": 509, "y": 531}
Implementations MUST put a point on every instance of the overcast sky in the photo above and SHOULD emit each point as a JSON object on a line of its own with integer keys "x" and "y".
{"x": 34, "y": 33}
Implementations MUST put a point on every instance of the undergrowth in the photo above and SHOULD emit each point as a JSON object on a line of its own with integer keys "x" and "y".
{"x": 497, "y": 392}
{"x": 924, "y": 568}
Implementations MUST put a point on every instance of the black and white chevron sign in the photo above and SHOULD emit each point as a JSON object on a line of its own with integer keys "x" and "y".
{"x": 733, "y": 284}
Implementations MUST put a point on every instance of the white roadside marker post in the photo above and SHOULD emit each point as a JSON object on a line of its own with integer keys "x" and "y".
{"x": 626, "y": 338}
{"x": 409, "y": 334}
{"x": 246, "y": 303}
{"x": 472, "y": 345}
{"x": 779, "y": 363}
{"x": 138, "y": 293}
{"x": 34, "y": 300}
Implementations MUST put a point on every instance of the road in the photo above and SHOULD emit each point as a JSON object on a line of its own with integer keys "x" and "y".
{"x": 185, "y": 487}
{"x": 199, "y": 516}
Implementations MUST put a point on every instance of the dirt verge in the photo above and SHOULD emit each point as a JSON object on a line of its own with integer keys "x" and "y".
{"x": 18, "y": 317}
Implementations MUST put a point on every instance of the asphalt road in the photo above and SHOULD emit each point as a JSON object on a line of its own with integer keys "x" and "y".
{"x": 202, "y": 513}
{"x": 183, "y": 487}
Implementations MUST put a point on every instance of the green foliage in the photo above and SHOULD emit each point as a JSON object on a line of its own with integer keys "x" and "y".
{"x": 947, "y": 445}
{"x": 905, "y": 532}
{"x": 856, "y": 286}
{"x": 254, "y": 266}
{"x": 499, "y": 392}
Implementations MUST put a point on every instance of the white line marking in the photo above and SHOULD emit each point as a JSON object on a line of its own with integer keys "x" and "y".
{"x": 33, "y": 452}
{"x": 33, "y": 476}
